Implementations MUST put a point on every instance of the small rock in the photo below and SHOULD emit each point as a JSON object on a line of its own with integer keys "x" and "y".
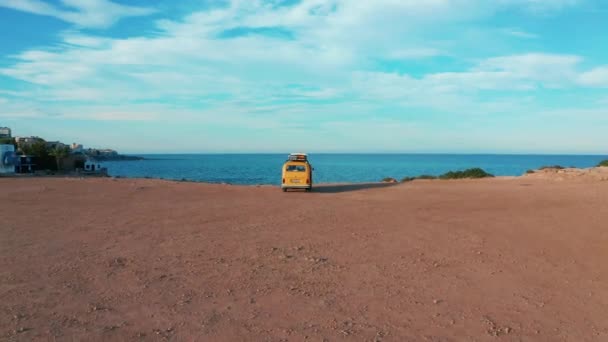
{"x": 21, "y": 330}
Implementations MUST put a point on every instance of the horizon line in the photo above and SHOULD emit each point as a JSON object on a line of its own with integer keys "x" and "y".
{"x": 380, "y": 153}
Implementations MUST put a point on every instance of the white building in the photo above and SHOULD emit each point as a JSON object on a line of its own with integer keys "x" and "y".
{"x": 27, "y": 141}
{"x": 5, "y": 132}
{"x": 77, "y": 148}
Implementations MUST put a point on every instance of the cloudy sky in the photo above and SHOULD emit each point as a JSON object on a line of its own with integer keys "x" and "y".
{"x": 466, "y": 76}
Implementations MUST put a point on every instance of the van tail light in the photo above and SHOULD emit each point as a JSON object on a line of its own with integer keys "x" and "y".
{"x": 307, "y": 181}
{"x": 283, "y": 180}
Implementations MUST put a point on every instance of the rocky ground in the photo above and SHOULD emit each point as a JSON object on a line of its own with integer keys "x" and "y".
{"x": 473, "y": 260}
{"x": 561, "y": 174}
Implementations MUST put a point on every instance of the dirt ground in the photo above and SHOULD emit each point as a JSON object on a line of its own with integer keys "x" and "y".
{"x": 522, "y": 259}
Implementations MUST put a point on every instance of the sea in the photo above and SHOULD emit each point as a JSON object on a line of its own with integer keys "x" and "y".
{"x": 265, "y": 169}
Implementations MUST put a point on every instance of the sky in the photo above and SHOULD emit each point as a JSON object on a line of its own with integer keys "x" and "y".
{"x": 387, "y": 76}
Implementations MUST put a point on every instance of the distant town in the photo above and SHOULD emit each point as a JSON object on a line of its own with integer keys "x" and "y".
{"x": 37, "y": 155}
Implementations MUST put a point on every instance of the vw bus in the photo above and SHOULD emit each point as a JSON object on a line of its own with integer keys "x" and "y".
{"x": 297, "y": 172}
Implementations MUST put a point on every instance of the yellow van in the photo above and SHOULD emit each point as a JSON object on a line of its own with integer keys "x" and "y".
{"x": 297, "y": 172}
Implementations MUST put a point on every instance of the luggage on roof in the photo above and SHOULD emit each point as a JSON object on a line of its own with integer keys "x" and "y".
{"x": 298, "y": 157}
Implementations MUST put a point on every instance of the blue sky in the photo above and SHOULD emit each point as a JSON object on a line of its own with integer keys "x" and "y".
{"x": 465, "y": 76}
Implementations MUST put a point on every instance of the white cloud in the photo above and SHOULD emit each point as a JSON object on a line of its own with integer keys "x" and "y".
{"x": 519, "y": 33}
{"x": 414, "y": 53}
{"x": 326, "y": 61}
{"x": 541, "y": 6}
{"x": 549, "y": 70}
{"x": 83, "y": 13}
{"x": 597, "y": 77}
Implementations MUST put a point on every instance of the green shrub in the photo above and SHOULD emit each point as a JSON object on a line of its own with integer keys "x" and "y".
{"x": 530, "y": 171}
{"x": 603, "y": 163}
{"x": 469, "y": 173}
{"x": 389, "y": 180}
{"x": 409, "y": 179}
{"x": 557, "y": 167}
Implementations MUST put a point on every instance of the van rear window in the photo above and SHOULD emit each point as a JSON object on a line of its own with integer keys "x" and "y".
{"x": 295, "y": 168}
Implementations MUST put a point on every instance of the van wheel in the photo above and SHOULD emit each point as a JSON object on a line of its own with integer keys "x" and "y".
{"x": 284, "y": 190}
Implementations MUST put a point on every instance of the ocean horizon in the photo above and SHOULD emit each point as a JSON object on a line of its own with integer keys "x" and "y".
{"x": 265, "y": 168}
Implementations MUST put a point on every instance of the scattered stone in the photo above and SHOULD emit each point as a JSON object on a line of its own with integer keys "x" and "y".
{"x": 97, "y": 308}
{"x": 118, "y": 262}
{"x": 494, "y": 329}
{"x": 21, "y": 330}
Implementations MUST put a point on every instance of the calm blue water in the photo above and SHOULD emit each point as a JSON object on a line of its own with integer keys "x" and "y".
{"x": 331, "y": 168}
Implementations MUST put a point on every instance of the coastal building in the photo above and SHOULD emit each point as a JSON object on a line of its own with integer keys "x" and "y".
{"x": 92, "y": 166}
{"x": 8, "y": 159}
{"x": 76, "y": 148}
{"x": 101, "y": 152}
{"x": 25, "y": 164}
{"x": 5, "y": 132}
{"x": 52, "y": 145}
{"x": 27, "y": 141}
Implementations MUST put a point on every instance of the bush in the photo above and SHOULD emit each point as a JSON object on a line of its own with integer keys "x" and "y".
{"x": 44, "y": 159}
{"x": 409, "y": 179}
{"x": 469, "y": 173}
{"x": 389, "y": 180}
{"x": 530, "y": 171}
{"x": 603, "y": 163}
{"x": 556, "y": 167}
{"x": 8, "y": 141}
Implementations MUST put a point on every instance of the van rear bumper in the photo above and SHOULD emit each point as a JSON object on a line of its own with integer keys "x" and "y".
{"x": 305, "y": 186}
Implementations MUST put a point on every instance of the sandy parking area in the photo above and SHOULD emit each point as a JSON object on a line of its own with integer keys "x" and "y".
{"x": 486, "y": 260}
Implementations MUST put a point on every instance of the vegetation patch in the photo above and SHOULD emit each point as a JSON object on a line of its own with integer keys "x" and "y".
{"x": 389, "y": 180}
{"x": 555, "y": 167}
{"x": 603, "y": 163}
{"x": 409, "y": 179}
{"x": 530, "y": 171}
{"x": 469, "y": 173}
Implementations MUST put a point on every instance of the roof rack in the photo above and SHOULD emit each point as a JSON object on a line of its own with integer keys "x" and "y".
{"x": 298, "y": 157}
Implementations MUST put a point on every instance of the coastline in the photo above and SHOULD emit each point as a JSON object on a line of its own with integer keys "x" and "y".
{"x": 547, "y": 173}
